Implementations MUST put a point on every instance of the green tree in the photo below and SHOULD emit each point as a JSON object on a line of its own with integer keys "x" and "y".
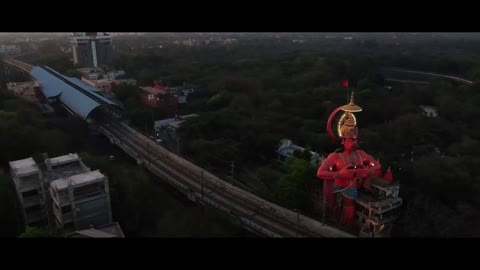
{"x": 294, "y": 189}
{"x": 35, "y": 232}
{"x": 73, "y": 73}
{"x": 124, "y": 91}
{"x": 303, "y": 154}
{"x": 8, "y": 207}
{"x": 218, "y": 101}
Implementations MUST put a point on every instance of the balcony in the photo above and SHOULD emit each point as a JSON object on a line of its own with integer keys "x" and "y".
{"x": 29, "y": 185}
{"x": 65, "y": 217}
{"x": 31, "y": 201}
{"x": 63, "y": 197}
{"x": 33, "y": 217}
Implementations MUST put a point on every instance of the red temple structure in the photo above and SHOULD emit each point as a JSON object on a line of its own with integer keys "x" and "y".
{"x": 355, "y": 190}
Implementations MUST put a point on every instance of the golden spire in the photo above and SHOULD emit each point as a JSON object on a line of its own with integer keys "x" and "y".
{"x": 351, "y": 107}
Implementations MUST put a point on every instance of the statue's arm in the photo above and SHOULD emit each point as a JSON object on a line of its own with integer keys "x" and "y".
{"x": 373, "y": 166}
{"x": 327, "y": 170}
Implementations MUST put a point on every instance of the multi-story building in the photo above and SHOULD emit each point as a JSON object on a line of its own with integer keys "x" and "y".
{"x": 61, "y": 193}
{"x": 91, "y": 49}
{"x": 81, "y": 200}
{"x": 28, "y": 179}
{"x": 104, "y": 81}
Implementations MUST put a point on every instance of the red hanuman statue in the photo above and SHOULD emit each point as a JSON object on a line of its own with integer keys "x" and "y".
{"x": 347, "y": 170}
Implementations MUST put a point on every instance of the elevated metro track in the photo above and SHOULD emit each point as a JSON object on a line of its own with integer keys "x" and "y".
{"x": 252, "y": 212}
{"x": 19, "y": 64}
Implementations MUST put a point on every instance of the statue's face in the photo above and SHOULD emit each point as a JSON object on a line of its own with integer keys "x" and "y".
{"x": 350, "y": 143}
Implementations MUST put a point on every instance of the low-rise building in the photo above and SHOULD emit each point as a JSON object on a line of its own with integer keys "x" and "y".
{"x": 159, "y": 98}
{"x": 112, "y": 230}
{"x": 429, "y": 111}
{"x": 287, "y": 150}
{"x": 104, "y": 82}
{"x": 170, "y": 125}
{"x": 29, "y": 91}
{"x": 104, "y": 85}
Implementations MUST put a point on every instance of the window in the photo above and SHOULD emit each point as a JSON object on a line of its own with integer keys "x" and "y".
{"x": 68, "y": 226}
{"x": 37, "y": 224}
{"x": 30, "y": 193}
{"x": 88, "y": 190}
{"x": 68, "y": 165}
{"x": 66, "y": 209}
{"x": 30, "y": 180}
{"x": 33, "y": 209}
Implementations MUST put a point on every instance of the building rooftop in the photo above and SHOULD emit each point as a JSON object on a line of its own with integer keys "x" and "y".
{"x": 94, "y": 233}
{"x": 75, "y": 180}
{"x": 101, "y": 80}
{"x": 155, "y": 90}
{"x": 85, "y": 85}
{"x": 114, "y": 74}
{"x": 287, "y": 148}
{"x": 90, "y": 35}
{"x": 176, "y": 124}
{"x": 24, "y": 166}
{"x": 63, "y": 167}
{"x": 429, "y": 110}
{"x": 112, "y": 230}
{"x": 164, "y": 122}
{"x": 22, "y": 84}
{"x": 63, "y": 159}
{"x": 78, "y": 99}
{"x": 90, "y": 70}
{"x": 184, "y": 117}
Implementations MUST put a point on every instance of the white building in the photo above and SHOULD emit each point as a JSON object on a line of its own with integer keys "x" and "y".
{"x": 429, "y": 111}
{"x": 28, "y": 179}
{"x": 81, "y": 201}
{"x": 287, "y": 149}
{"x": 10, "y": 50}
{"x": 91, "y": 49}
{"x": 65, "y": 195}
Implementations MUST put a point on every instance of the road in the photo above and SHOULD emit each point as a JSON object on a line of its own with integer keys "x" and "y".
{"x": 406, "y": 81}
{"x": 21, "y": 65}
{"x": 430, "y": 74}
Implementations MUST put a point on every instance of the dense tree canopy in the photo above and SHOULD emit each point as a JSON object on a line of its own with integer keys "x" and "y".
{"x": 250, "y": 101}
{"x": 261, "y": 90}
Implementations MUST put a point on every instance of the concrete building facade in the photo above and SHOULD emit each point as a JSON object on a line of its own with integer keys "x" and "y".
{"x": 29, "y": 91}
{"x": 91, "y": 49}
{"x": 61, "y": 193}
{"x": 29, "y": 187}
{"x": 286, "y": 150}
{"x": 80, "y": 201}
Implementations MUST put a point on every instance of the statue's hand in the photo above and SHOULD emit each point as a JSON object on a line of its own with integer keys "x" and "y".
{"x": 363, "y": 173}
{"x": 346, "y": 173}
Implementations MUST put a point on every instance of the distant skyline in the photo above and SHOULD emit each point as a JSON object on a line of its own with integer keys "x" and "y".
{"x": 209, "y": 32}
